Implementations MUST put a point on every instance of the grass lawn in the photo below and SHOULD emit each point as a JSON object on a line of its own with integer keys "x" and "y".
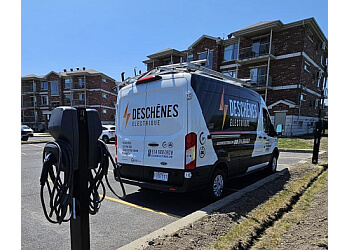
{"x": 295, "y": 143}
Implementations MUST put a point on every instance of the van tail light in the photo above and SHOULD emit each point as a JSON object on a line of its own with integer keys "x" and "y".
{"x": 116, "y": 148}
{"x": 191, "y": 148}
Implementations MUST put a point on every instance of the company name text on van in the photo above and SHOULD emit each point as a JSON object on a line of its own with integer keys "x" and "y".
{"x": 152, "y": 114}
{"x": 243, "y": 109}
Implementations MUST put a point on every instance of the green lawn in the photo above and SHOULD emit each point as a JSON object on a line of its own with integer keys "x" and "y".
{"x": 295, "y": 143}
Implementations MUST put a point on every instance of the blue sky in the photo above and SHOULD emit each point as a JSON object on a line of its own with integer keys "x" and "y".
{"x": 115, "y": 36}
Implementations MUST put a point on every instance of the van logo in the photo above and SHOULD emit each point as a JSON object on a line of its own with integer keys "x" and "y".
{"x": 223, "y": 107}
{"x": 126, "y": 115}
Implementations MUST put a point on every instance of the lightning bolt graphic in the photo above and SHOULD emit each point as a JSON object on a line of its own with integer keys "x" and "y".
{"x": 223, "y": 107}
{"x": 222, "y": 100}
{"x": 225, "y": 112}
{"x": 126, "y": 115}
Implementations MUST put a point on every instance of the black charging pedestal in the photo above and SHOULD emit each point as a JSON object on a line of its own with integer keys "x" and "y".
{"x": 79, "y": 223}
{"x": 317, "y": 141}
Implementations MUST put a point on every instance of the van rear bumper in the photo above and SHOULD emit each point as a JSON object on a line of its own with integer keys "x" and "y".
{"x": 161, "y": 187}
{"x": 142, "y": 176}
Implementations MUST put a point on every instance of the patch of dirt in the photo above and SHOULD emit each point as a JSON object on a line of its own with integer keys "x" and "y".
{"x": 312, "y": 231}
{"x": 203, "y": 233}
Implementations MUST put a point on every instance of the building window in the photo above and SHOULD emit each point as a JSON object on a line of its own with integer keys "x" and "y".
{"x": 189, "y": 57}
{"x": 231, "y": 52}
{"x": 260, "y": 46}
{"x": 202, "y": 55}
{"x": 104, "y": 111}
{"x": 209, "y": 63}
{"x": 104, "y": 95}
{"x": 67, "y": 99}
{"x": 300, "y": 124}
{"x": 81, "y": 96}
{"x": 44, "y": 100}
{"x": 68, "y": 83}
{"x": 232, "y": 73}
{"x": 54, "y": 88}
{"x": 258, "y": 76}
{"x": 43, "y": 85}
{"x": 104, "y": 80}
{"x": 302, "y": 97}
{"x": 316, "y": 104}
{"x": 81, "y": 82}
{"x": 307, "y": 66}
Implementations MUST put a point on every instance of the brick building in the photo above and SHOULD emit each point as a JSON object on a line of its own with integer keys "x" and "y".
{"x": 76, "y": 88}
{"x": 286, "y": 64}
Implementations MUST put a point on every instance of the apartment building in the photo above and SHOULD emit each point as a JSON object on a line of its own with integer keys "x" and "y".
{"x": 285, "y": 63}
{"x": 76, "y": 88}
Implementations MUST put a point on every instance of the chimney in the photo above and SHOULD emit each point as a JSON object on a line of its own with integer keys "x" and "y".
{"x": 122, "y": 75}
{"x": 71, "y": 69}
{"x": 64, "y": 70}
{"x": 83, "y": 68}
{"x": 77, "y": 68}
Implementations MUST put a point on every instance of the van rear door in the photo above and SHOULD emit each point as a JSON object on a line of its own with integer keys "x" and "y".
{"x": 130, "y": 136}
{"x": 166, "y": 122}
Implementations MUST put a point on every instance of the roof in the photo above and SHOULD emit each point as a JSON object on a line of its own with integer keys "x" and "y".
{"x": 165, "y": 53}
{"x": 204, "y": 37}
{"x": 260, "y": 26}
{"x": 67, "y": 74}
{"x": 277, "y": 25}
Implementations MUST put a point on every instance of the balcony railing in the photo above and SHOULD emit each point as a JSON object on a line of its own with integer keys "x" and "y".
{"x": 29, "y": 89}
{"x": 28, "y": 104}
{"x": 78, "y": 85}
{"x": 67, "y": 102}
{"x": 78, "y": 102}
{"x": 255, "y": 51}
{"x": 28, "y": 119}
{"x": 260, "y": 81}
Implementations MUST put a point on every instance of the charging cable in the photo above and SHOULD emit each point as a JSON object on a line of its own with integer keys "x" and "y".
{"x": 96, "y": 179}
{"x": 58, "y": 166}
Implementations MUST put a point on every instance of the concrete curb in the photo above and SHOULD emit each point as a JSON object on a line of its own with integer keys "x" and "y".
{"x": 34, "y": 142}
{"x": 187, "y": 220}
{"x": 295, "y": 150}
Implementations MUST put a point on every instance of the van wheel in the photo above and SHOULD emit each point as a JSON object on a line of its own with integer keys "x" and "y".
{"x": 217, "y": 184}
{"x": 272, "y": 167}
{"x": 105, "y": 139}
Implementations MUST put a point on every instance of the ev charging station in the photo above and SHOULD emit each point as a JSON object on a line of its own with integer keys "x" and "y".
{"x": 73, "y": 169}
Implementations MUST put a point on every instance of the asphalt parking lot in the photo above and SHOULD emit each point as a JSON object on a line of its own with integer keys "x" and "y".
{"x": 118, "y": 222}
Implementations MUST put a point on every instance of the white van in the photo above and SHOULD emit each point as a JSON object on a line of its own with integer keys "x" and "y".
{"x": 182, "y": 130}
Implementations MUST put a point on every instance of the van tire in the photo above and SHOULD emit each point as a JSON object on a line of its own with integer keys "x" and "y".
{"x": 217, "y": 185}
{"x": 272, "y": 167}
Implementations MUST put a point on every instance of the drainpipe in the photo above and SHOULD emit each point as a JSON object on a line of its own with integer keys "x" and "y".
{"x": 268, "y": 66}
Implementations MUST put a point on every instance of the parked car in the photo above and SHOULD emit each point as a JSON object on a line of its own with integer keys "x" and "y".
{"x": 108, "y": 133}
{"x": 24, "y": 136}
{"x": 27, "y": 130}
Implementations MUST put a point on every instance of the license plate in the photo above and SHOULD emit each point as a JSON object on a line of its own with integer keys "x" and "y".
{"x": 160, "y": 176}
